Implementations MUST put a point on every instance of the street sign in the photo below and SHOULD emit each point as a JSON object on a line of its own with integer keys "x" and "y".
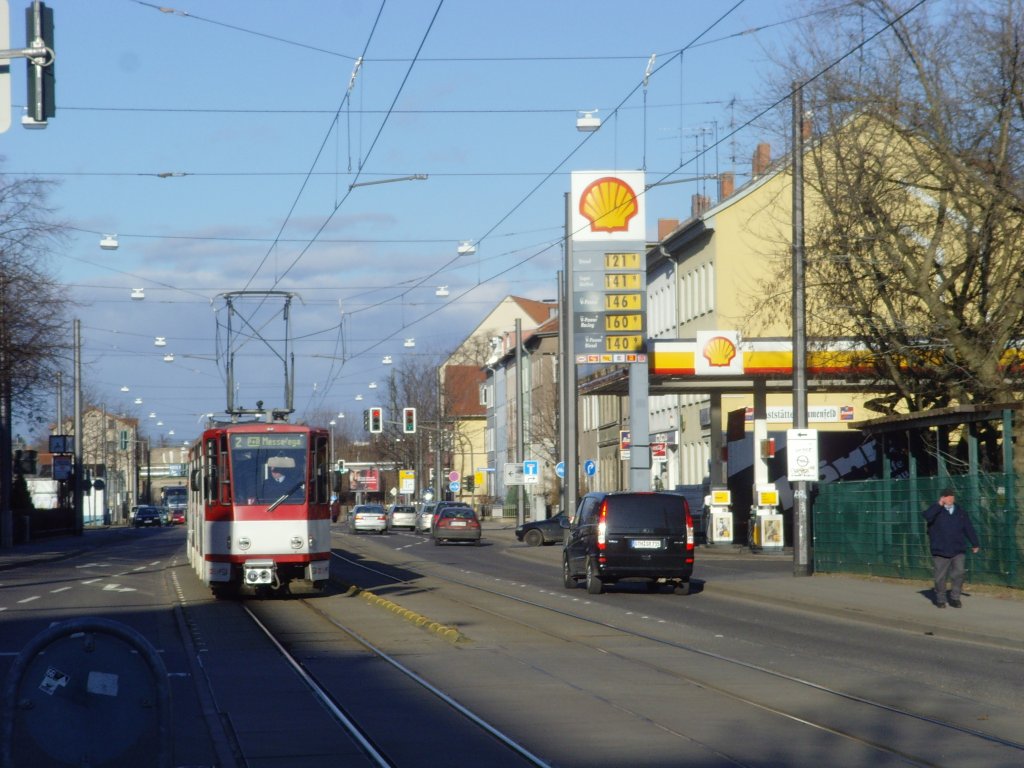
{"x": 531, "y": 472}
{"x": 454, "y": 486}
{"x": 590, "y": 467}
{"x": 802, "y": 454}
{"x": 407, "y": 480}
{"x": 454, "y": 476}
{"x": 513, "y": 474}
{"x": 560, "y": 469}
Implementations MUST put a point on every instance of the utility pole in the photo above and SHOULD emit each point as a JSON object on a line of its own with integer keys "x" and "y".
{"x": 801, "y": 520}
{"x": 76, "y": 475}
{"x": 520, "y": 431}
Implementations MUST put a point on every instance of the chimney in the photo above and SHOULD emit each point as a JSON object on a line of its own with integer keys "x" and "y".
{"x": 762, "y": 158}
{"x": 699, "y": 204}
{"x": 726, "y": 185}
{"x": 666, "y": 227}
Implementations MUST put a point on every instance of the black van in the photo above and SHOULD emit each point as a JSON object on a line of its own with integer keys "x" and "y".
{"x": 629, "y": 535}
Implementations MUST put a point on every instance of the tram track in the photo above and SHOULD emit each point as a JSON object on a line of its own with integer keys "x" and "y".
{"x": 276, "y": 619}
{"x": 804, "y": 702}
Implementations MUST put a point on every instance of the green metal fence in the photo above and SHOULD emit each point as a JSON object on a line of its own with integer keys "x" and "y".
{"x": 875, "y": 527}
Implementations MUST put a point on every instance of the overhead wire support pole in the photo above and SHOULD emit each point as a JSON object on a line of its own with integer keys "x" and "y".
{"x": 801, "y": 522}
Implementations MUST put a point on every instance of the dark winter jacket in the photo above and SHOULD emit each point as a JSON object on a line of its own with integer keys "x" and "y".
{"x": 948, "y": 531}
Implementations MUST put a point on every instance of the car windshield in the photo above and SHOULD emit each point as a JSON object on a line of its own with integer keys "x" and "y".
{"x": 267, "y": 466}
{"x": 464, "y": 513}
{"x": 649, "y": 513}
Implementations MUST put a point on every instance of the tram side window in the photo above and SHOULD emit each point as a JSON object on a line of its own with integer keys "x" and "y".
{"x": 210, "y": 460}
{"x": 224, "y": 472}
{"x": 321, "y": 489}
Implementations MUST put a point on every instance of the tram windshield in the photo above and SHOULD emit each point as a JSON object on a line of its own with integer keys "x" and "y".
{"x": 268, "y": 467}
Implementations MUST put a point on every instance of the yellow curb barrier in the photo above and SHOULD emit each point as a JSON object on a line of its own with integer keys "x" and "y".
{"x": 449, "y": 633}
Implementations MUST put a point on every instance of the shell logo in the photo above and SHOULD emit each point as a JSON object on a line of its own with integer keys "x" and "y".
{"x": 719, "y": 352}
{"x": 608, "y": 204}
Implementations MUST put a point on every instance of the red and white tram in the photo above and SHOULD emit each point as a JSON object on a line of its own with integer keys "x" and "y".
{"x": 259, "y": 506}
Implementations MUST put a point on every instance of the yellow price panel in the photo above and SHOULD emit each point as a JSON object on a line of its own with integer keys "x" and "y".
{"x": 623, "y": 301}
{"x": 628, "y": 281}
{"x": 623, "y": 343}
{"x": 623, "y": 322}
{"x": 622, "y": 261}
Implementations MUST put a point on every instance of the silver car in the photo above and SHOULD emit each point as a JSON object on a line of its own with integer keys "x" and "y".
{"x": 402, "y": 516}
{"x": 425, "y": 517}
{"x": 369, "y": 517}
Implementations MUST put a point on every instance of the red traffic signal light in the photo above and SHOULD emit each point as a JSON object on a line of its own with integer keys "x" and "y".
{"x": 376, "y": 419}
{"x": 408, "y": 420}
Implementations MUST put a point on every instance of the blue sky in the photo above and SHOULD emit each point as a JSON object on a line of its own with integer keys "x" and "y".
{"x": 246, "y": 105}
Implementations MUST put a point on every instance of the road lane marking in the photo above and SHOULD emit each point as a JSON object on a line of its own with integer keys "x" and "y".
{"x": 28, "y": 599}
{"x": 117, "y": 588}
{"x": 59, "y": 589}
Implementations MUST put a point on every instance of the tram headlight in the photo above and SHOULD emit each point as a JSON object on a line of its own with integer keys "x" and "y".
{"x": 296, "y": 542}
{"x": 259, "y": 572}
{"x": 244, "y": 543}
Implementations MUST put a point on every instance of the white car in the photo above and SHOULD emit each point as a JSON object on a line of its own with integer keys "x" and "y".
{"x": 402, "y": 516}
{"x": 369, "y": 517}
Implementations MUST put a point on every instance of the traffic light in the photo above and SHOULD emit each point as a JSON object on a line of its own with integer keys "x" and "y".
{"x": 39, "y": 35}
{"x": 408, "y": 420}
{"x": 339, "y": 466}
{"x": 25, "y": 462}
{"x": 376, "y": 419}
{"x": 469, "y": 482}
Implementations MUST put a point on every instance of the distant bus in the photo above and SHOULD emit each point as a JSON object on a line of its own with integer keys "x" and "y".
{"x": 174, "y": 497}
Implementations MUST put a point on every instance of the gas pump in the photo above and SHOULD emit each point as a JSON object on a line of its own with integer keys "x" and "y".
{"x": 719, "y": 503}
{"x": 765, "y": 519}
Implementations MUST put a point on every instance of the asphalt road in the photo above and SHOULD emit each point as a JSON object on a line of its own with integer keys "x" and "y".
{"x": 753, "y": 668}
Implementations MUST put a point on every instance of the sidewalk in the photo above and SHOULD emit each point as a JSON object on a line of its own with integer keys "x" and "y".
{"x": 990, "y": 615}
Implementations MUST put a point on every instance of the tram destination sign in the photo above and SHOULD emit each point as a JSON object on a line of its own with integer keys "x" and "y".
{"x": 286, "y": 441}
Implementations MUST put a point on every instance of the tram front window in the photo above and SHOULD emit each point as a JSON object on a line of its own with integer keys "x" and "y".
{"x": 268, "y": 468}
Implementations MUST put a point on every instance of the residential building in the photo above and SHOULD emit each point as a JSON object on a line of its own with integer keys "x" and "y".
{"x": 467, "y": 396}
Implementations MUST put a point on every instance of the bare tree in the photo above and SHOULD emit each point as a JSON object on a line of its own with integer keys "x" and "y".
{"x": 914, "y": 171}
{"x": 33, "y": 331}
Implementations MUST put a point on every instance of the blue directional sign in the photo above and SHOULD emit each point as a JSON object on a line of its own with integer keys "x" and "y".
{"x": 454, "y": 486}
{"x": 560, "y": 469}
{"x": 590, "y": 467}
{"x": 531, "y": 472}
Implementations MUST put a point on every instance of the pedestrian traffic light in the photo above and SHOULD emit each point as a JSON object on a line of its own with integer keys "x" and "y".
{"x": 376, "y": 419}
{"x": 41, "y": 80}
{"x": 408, "y": 420}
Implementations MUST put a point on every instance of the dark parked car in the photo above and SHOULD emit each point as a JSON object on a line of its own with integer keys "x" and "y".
{"x": 550, "y": 531}
{"x": 616, "y": 536}
{"x": 146, "y": 517}
{"x": 456, "y": 523}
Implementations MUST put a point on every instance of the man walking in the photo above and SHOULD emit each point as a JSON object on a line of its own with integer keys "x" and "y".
{"x": 948, "y": 527}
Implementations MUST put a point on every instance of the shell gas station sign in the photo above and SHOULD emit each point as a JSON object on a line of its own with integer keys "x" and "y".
{"x": 609, "y": 270}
